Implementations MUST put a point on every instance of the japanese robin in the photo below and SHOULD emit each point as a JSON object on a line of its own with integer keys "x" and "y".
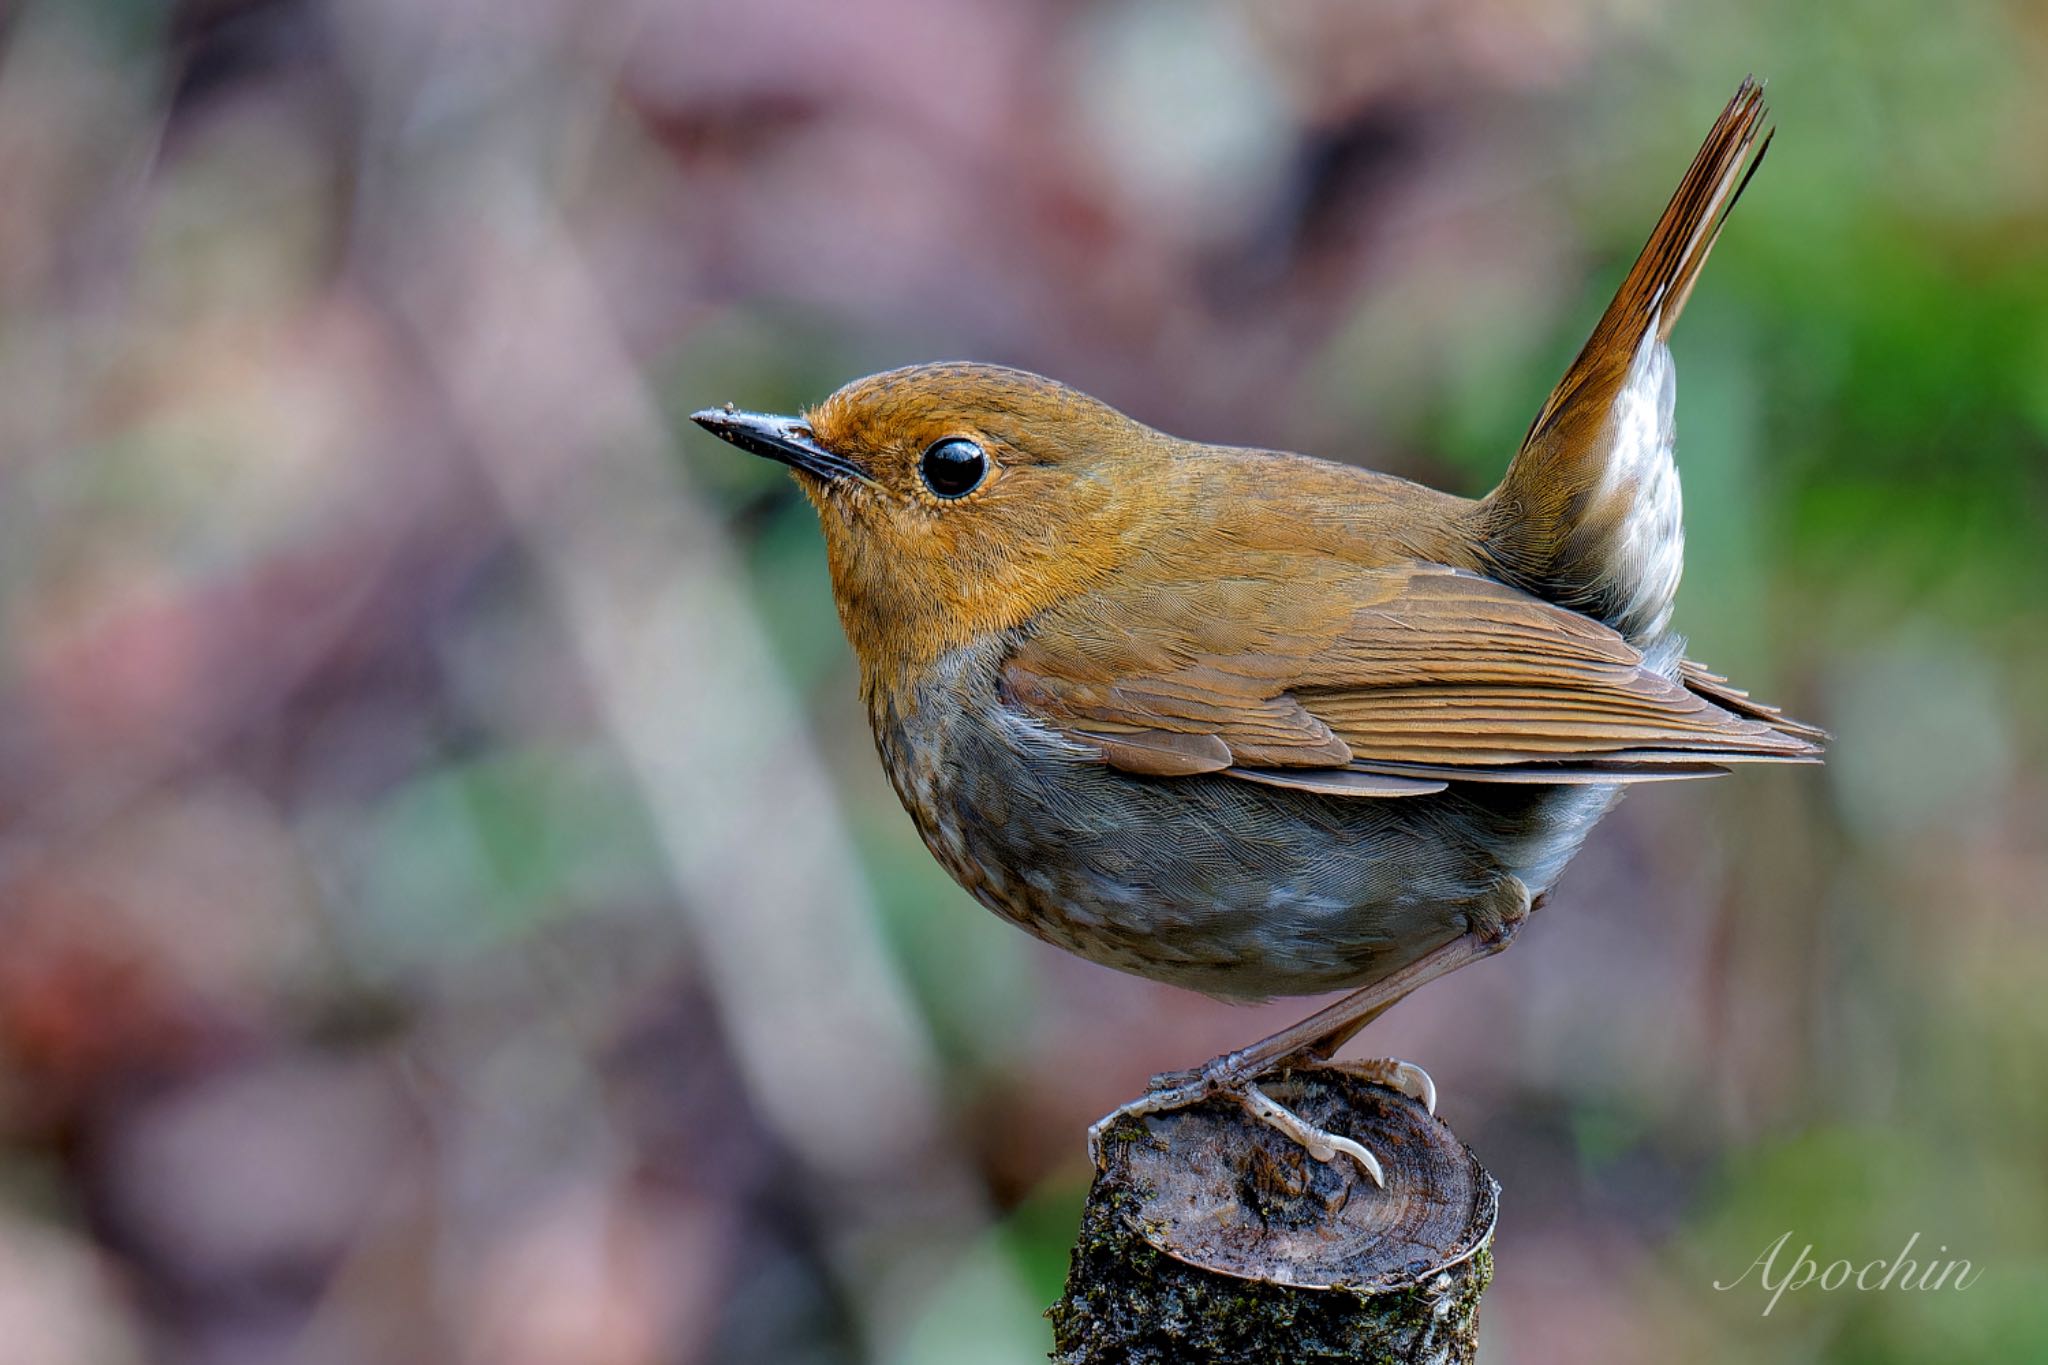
{"x": 1255, "y": 723}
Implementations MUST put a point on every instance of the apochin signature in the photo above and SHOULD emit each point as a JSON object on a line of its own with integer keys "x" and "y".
{"x": 1898, "y": 1273}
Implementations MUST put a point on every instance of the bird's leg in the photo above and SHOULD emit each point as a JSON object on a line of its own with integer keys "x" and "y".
{"x": 1323, "y": 1049}
{"x": 1391, "y": 1072}
{"x": 1496, "y": 934}
{"x": 1315, "y": 1038}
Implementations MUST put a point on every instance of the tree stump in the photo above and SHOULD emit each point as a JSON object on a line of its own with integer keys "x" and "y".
{"x": 1209, "y": 1237}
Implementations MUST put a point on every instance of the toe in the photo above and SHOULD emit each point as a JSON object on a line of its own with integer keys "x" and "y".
{"x": 1413, "y": 1081}
{"x": 1406, "y": 1077}
{"x": 1320, "y": 1143}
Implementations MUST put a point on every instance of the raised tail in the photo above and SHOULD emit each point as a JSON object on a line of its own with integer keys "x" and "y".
{"x": 1589, "y": 514}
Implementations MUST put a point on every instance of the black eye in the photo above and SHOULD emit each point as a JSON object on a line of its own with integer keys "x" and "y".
{"x": 953, "y": 468}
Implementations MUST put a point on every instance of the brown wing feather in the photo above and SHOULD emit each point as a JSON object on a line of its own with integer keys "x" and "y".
{"x": 1727, "y": 695}
{"x": 1350, "y": 781}
{"x": 1418, "y": 673}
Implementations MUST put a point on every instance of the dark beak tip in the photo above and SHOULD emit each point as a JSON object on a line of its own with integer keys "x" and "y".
{"x": 785, "y": 439}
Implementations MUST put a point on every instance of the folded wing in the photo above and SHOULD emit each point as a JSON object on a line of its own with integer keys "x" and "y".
{"x": 1310, "y": 673}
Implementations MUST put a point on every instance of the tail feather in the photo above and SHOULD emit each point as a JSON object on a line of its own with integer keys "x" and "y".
{"x": 1588, "y": 514}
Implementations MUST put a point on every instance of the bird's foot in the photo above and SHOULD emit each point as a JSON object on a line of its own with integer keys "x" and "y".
{"x": 1180, "y": 1090}
{"x": 1320, "y": 1143}
{"x": 1395, "y": 1074}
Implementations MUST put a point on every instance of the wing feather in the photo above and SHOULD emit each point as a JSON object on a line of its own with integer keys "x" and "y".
{"x": 1379, "y": 681}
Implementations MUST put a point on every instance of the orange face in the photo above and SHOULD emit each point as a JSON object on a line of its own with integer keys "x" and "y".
{"x": 960, "y": 499}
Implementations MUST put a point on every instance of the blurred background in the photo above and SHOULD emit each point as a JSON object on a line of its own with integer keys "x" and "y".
{"x": 449, "y": 906}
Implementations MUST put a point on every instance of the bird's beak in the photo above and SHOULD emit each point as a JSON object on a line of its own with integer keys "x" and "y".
{"x": 787, "y": 439}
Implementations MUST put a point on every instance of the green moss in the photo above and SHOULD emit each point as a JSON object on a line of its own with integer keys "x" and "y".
{"x": 1127, "y": 1303}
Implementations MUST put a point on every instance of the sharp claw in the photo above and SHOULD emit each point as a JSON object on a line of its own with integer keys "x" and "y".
{"x": 1406, "y": 1077}
{"x": 1320, "y": 1143}
{"x": 1366, "y": 1160}
{"x": 1413, "y": 1080}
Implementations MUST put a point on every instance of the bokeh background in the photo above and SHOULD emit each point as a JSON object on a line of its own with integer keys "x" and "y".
{"x": 449, "y": 907}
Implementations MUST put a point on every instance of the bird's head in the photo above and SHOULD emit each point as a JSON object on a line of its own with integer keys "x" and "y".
{"x": 961, "y": 499}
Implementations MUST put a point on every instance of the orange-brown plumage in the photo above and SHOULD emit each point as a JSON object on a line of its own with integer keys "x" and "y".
{"x": 1258, "y": 723}
{"x": 1296, "y": 613}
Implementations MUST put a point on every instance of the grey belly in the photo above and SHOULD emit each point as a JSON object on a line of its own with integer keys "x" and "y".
{"x": 1223, "y": 886}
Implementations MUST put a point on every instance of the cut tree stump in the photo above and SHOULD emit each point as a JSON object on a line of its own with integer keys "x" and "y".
{"x": 1209, "y": 1237}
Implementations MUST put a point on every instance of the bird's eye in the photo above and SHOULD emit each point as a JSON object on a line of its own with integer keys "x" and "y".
{"x": 954, "y": 467}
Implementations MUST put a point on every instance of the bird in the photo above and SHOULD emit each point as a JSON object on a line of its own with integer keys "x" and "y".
{"x": 1260, "y": 724}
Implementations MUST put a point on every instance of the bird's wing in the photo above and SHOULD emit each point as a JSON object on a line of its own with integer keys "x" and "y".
{"x": 1307, "y": 672}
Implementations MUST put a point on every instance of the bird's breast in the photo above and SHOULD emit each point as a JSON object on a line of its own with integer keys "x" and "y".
{"x": 1224, "y": 886}
{"x": 982, "y": 782}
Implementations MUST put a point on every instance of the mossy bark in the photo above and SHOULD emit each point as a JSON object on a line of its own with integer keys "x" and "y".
{"x": 1210, "y": 1238}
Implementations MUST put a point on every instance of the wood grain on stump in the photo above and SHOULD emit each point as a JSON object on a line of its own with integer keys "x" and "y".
{"x": 1209, "y": 1237}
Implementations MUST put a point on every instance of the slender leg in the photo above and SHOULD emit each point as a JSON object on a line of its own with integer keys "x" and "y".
{"x": 1333, "y": 1025}
{"x": 1327, "y": 1047}
{"x": 1316, "y": 1036}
